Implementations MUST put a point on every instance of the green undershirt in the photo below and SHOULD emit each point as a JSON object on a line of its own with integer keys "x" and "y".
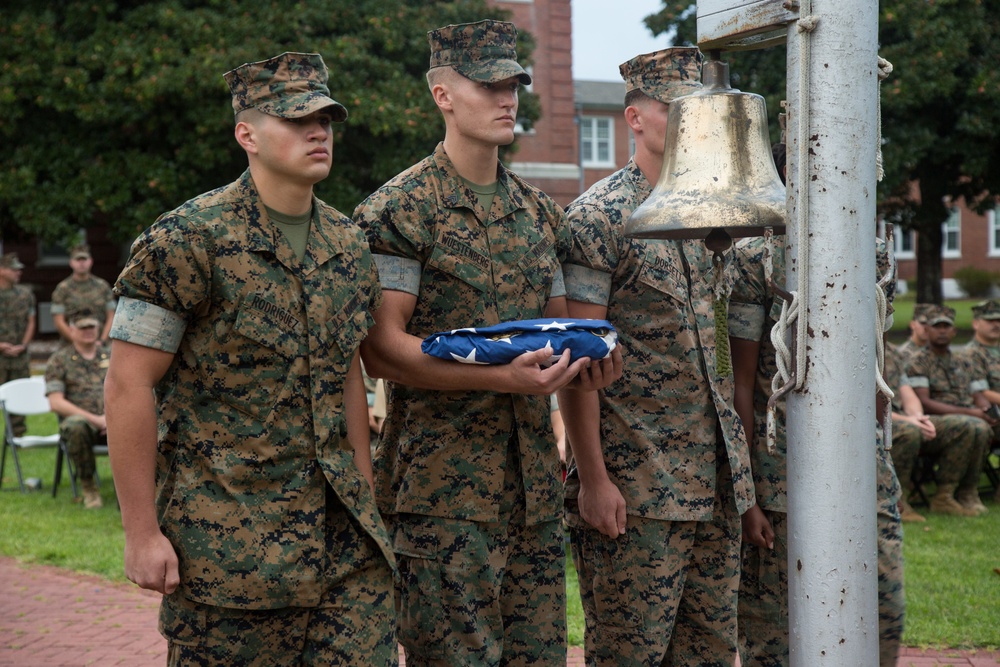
{"x": 484, "y": 193}
{"x": 295, "y": 229}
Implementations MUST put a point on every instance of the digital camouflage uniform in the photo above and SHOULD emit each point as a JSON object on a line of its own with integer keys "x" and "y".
{"x": 763, "y": 606}
{"x": 81, "y": 382}
{"x": 92, "y": 293}
{"x": 17, "y": 303}
{"x": 470, "y": 480}
{"x": 952, "y": 378}
{"x": 665, "y": 591}
{"x": 906, "y": 437}
{"x": 951, "y": 448}
{"x": 452, "y": 463}
{"x": 256, "y": 483}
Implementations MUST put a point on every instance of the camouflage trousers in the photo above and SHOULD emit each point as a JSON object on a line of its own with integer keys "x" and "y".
{"x": 80, "y": 437}
{"x": 763, "y": 605}
{"x": 958, "y": 450}
{"x": 481, "y": 593}
{"x": 664, "y": 593}
{"x": 353, "y": 624}
{"x": 15, "y": 370}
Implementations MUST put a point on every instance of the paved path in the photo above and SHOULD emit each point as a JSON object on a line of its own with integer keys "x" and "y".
{"x": 51, "y": 617}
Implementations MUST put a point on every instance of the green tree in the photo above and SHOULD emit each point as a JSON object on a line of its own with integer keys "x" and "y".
{"x": 113, "y": 112}
{"x": 940, "y": 110}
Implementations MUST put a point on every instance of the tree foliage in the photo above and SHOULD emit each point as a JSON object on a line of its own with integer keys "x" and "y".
{"x": 113, "y": 112}
{"x": 940, "y": 109}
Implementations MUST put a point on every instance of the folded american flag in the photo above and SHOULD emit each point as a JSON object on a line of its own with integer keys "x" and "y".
{"x": 501, "y": 343}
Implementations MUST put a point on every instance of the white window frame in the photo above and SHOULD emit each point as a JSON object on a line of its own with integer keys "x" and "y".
{"x": 897, "y": 241}
{"x": 593, "y": 122}
{"x": 993, "y": 230}
{"x": 953, "y": 225}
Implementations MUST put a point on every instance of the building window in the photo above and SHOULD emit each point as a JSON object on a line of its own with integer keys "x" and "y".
{"x": 951, "y": 235}
{"x": 57, "y": 254}
{"x": 993, "y": 229}
{"x": 904, "y": 243}
{"x": 597, "y": 142}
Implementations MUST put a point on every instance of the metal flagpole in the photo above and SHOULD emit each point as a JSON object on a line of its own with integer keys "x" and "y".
{"x": 830, "y": 422}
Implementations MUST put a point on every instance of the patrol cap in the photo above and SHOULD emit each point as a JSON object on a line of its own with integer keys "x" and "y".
{"x": 940, "y": 314}
{"x": 291, "y": 85}
{"x": 664, "y": 75}
{"x": 80, "y": 251}
{"x": 987, "y": 310}
{"x": 483, "y": 51}
{"x": 920, "y": 312}
{"x": 83, "y": 318}
{"x": 10, "y": 261}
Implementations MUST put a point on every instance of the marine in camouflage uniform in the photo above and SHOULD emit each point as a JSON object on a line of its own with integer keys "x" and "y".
{"x": 74, "y": 383}
{"x": 17, "y": 327}
{"x": 658, "y": 482}
{"x": 918, "y": 336}
{"x": 467, "y": 472}
{"x": 983, "y": 351}
{"x": 80, "y": 291}
{"x": 763, "y": 601}
{"x": 949, "y": 385}
{"x": 248, "y": 332}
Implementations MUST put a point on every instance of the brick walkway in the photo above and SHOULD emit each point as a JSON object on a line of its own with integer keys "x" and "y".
{"x": 51, "y": 617}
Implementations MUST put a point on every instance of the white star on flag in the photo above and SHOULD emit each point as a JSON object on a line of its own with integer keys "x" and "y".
{"x": 471, "y": 359}
{"x": 554, "y": 324}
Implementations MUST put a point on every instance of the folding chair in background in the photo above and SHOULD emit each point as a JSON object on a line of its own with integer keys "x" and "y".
{"x": 25, "y": 396}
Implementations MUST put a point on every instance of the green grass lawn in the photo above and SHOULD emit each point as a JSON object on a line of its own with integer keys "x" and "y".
{"x": 952, "y": 585}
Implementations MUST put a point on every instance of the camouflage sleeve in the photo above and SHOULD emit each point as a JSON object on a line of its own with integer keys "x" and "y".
{"x": 747, "y": 303}
{"x": 169, "y": 269}
{"x": 55, "y": 375}
{"x": 917, "y": 371}
{"x": 58, "y": 300}
{"x": 564, "y": 246}
{"x": 394, "y": 225}
{"x": 976, "y": 365}
{"x": 399, "y": 273}
{"x": 593, "y": 256}
{"x": 110, "y": 303}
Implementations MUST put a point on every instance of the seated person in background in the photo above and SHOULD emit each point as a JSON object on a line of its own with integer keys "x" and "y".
{"x": 74, "y": 383}
{"x": 948, "y": 387}
{"x": 914, "y": 434}
{"x": 984, "y": 353}
{"x": 918, "y": 334}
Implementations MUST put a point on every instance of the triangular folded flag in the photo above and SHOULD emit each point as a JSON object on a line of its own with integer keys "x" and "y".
{"x": 501, "y": 343}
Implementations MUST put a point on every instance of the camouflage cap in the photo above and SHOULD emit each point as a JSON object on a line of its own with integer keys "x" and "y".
{"x": 987, "y": 310}
{"x": 83, "y": 318}
{"x": 664, "y": 75}
{"x": 291, "y": 85}
{"x": 483, "y": 51}
{"x": 80, "y": 251}
{"x": 940, "y": 314}
{"x": 920, "y": 312}
{"x": 10, "y": 261}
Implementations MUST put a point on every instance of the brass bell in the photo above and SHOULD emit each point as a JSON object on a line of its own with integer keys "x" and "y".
{"x": 718, "y": 174}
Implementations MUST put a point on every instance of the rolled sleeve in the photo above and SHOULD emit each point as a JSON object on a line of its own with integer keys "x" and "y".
{"x": 399, "y": 273}
{"x": 918, "y": 381}
{"x": 148, "y": 325}
{"x": 587, "y": 285}
{"x": 746, "y": 320}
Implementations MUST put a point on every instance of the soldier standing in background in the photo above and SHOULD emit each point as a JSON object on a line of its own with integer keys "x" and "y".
{"x": 74, "y": 383}
{"x": 467, "y": 472}
{"x": 17, "y": 327}
{"x": 82, "y": 290}
{"x": 237, "y": 416}
{"x": 661, "y": 470}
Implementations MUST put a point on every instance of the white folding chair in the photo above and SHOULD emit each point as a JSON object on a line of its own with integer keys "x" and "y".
{"x": 25, "y": 396}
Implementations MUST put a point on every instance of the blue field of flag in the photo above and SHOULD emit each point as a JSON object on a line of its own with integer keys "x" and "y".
{"x": 501, "y": 343}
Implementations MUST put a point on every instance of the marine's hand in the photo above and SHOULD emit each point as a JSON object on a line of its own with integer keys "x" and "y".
{"x": 756, "y": 528}
{"x": 526, "y": 375}
{"x": 151, "y": 563}
{"x": 603, "y": 507}
{"x": 599, "y": 374}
